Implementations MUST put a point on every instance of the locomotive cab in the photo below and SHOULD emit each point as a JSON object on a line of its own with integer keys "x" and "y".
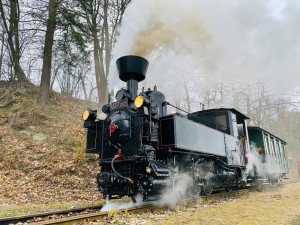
{"x": 232, "y": 124}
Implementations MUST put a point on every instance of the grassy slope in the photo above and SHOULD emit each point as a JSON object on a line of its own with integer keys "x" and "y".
{"x": 42, "y": 158}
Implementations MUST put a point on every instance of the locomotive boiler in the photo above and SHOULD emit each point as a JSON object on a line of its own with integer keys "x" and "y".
{"x": 144, "y": 150}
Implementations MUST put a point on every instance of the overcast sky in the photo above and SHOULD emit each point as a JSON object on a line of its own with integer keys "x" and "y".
{"x": 238, "y": 40}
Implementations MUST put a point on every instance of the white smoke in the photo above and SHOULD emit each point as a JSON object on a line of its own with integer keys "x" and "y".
{"x": 255, "y": 162}
{"x": 122, "y": 205}
{"x": 170, "y": 195}
{"x": 180, "y": 190}
{"x": 237, "y": 40}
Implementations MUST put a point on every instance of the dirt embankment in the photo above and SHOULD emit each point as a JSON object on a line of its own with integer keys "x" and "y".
{"x": 42, "y": 158}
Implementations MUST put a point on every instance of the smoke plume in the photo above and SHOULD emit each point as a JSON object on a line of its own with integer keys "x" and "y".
{"x": 122, "y": 205}
{"x": 255, "y": 162}
{"x": 170, "y": 196}
{"x": 173, "y": 194}
{"x": 237, "y": 40}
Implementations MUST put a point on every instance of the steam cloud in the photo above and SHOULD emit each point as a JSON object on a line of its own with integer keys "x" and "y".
{"x": 122, "y": 205}
{"x": 238, "y": 40}
{"x": 254, "y": 160}
{"x": 180, "y": 190}
{"x": 170, "y": 196}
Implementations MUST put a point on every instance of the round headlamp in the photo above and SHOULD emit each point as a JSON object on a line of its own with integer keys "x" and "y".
{"x": 85, "y": 114}
{"x": 138, "y": 101}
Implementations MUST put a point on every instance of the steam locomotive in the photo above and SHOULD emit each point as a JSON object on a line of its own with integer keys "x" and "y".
{"x": 144, "y": 150}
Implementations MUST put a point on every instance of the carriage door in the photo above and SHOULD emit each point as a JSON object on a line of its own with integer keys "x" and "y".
{"x": 242, "y": 141}
{"x": 236, "y": 152}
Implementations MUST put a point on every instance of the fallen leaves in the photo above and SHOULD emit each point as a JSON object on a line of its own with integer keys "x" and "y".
{"x": 42, "y": 156}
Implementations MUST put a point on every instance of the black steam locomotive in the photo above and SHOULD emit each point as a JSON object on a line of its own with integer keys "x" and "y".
{"x": 144, "y": 150}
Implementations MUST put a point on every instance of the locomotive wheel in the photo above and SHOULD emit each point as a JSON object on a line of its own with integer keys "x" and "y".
{"x": 145, "y": 185}
{"x": 228, "y": 188}
{"x": 274, "y": 181}
{"x": 194, "y": 191}
{"x": 258, "y": 183}
{"x": 207, "y": 188}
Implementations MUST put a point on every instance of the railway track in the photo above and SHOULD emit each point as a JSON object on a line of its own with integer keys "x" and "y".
{"x": 32, "y": 217}
{"x": 80, "y": 214}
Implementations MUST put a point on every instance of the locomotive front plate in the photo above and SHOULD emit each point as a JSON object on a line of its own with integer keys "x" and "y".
{"x": 120, "y": 104}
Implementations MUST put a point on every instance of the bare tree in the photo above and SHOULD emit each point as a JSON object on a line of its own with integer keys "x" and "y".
{"x": 11, "y": 28}
{"x": 188, "y": 101}
{"x": 47, "y": 54}
{"x": 102, "y": 19}
{"x": 1, "y": 50}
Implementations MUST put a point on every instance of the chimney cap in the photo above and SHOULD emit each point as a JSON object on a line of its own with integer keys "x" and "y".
{"x": 132, "y": 67}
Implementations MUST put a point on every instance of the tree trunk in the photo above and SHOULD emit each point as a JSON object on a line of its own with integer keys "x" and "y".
{"x": 91, "y": 93}
{"x": 107, "y": 38}
{"x": 13, "y": 31}
{"x": 1, "y": 51}
{"x": 84, "y": 89}
{"x": 221, "y": 93}
{"x": 99, "y": 66}
{"x": 103, "y": 74}
{"x": 47, "y": 56}
{"x": 97, "y": 63}
{"x": 188, "y": 101}
{"x": 16, "y": 16}
{"x": 248, "y": 107}
{"x": 103, "y": 88}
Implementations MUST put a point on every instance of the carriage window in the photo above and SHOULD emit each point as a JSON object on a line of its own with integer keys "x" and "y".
{"x": 273, "y": 145}
{"x": 278, "y": 148}
{"x": 221, "y": 123}
{"x": 267, "y": 144}
{"x": 283, "y": 150}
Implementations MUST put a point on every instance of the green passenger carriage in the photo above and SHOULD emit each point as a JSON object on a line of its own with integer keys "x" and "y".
{"x": 269, "y": 153}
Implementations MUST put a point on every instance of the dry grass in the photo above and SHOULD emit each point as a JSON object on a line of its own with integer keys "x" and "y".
{"x": 272, "y": 205}
{"x": 17, "y": 210}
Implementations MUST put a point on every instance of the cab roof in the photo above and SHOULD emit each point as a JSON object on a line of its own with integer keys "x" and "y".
{"x": 223, "y": 110}
{"x": 265, "y": 131}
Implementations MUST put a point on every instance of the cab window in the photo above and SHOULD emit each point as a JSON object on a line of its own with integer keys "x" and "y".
{"x": 221, "y": 123}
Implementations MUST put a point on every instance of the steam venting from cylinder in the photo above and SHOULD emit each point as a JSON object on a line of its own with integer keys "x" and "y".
{"x": 132, "y": 69}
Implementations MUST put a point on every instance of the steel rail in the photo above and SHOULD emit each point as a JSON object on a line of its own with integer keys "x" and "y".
{"x": 101, "y": 215}
{"x": 24, "y": 218}
{"x": 94, "y": 216}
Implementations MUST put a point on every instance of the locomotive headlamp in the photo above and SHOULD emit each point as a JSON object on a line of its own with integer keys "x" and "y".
{"x": 138, "y": 101}
{"x": 89, "y": 114}
{"x": 148, "y": 170}
{"x": 85, "y": 115}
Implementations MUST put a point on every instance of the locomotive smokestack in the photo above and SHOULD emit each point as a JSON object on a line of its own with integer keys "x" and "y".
{"x": 132, "y": 69}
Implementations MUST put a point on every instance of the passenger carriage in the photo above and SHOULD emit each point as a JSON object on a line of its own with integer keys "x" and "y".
{"x": 271, "y": 160}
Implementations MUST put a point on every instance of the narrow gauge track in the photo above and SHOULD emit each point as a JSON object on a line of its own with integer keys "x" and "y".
{"x": 71, "y": 219}
{"x": 25, "y": 218}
